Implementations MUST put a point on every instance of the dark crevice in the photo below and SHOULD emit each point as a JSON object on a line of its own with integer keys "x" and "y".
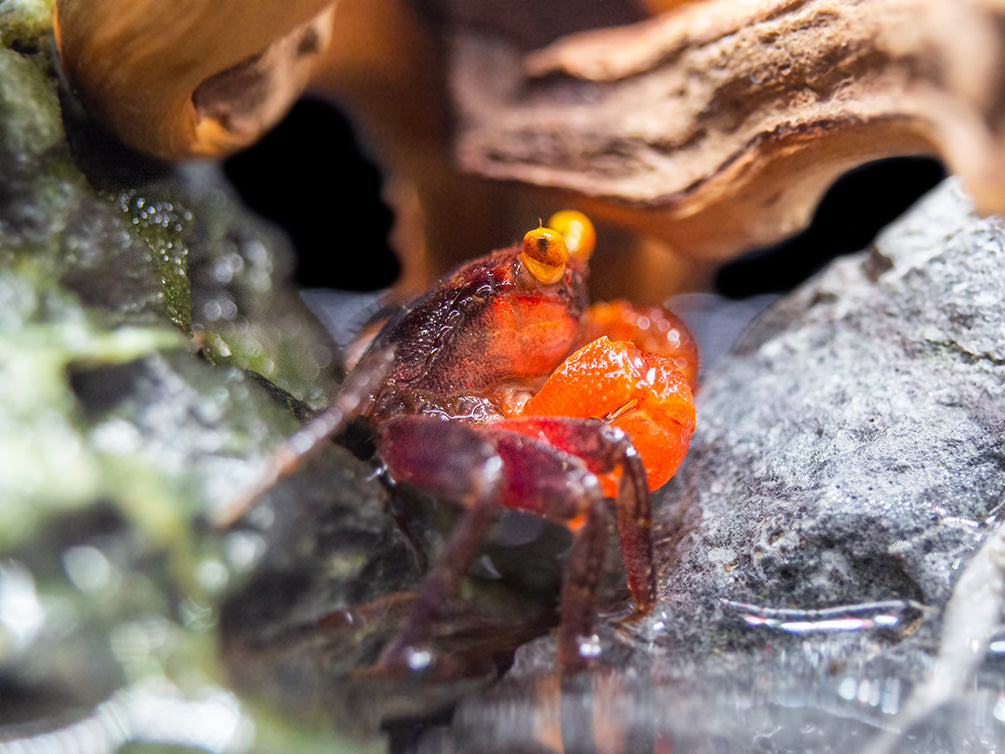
{"x": 312, "y": 178}
{"x": 857, "y": 207}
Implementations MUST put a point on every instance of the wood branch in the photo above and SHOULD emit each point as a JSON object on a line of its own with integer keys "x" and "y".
{"x": 718, "y": 125}
{"x": 187, "y": 82}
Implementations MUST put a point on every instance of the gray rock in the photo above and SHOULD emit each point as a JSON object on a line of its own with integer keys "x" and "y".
{"x": 830, "y": 578}
{"x": 851, "y": 449}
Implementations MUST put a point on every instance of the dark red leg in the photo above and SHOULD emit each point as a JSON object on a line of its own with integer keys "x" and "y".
{"x": 353, "y": 398}
{"x": 449, "y": 460}
{"x": 541, "y": 479}
{"x": 483, "y": 469}
{"x": 604, "y": 449}
{"x": 584, "y": 565}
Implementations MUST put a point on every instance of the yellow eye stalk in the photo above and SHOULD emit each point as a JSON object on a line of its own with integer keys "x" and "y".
{"x": 546, "y": 249}
{"x": 544, "y": 254}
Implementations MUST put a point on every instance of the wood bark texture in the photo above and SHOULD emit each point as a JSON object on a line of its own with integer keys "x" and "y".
{"x": 718, "y": 125}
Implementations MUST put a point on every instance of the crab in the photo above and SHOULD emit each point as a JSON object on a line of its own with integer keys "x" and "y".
{"x": 501, "y": 387}
{"x": 505, "y": 389}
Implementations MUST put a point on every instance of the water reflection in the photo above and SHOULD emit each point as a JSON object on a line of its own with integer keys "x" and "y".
{"x": 727, "y": 704}
{"x": 892, "y": 615}
{"x": 884, "y": 693}
{"x": 151, "y": 712}
{"x": 21, "y": 612}
{"x": 762, "y": 679}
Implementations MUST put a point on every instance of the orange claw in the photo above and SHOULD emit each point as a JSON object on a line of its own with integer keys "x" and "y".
{"x": 643, "y": 393}
{"x": 651, "y": 328}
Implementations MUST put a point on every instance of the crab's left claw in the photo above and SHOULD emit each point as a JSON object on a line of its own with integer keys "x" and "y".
{"x": 642, "y": 393}
{"x": 651, "y": 328}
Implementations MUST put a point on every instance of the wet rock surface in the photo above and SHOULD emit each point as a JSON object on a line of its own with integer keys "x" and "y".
{"x": 851, "y": 446}
{"x": 151, "y": 351}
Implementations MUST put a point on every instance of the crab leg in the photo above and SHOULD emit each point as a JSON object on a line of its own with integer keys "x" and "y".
{"x": 352, "y": 398}
{"x": 483, "y": 469}
{"x": 605, "y": 449}
{"x": 452, "y": 461}
{"x": 579, "y": 585}
{"x": 557, "y": 485}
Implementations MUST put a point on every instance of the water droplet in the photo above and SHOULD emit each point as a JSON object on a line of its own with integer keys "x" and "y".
{"x": 117, "y": 437}
{"x": 418, "y": 659}
{"x": 847, "y": 688}
{"x": 212, "y": 575}
{"x": 21, "y": 613}
{"x": 658, "y": 621}
{"x": 243, "y": 550}
{"x": 212, "y": 310}
{"x": 999, "y": 709}
{"x": 589, "y": 646}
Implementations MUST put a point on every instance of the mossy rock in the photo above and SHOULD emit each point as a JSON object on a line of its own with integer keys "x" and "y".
{"x": 153, "y": 350}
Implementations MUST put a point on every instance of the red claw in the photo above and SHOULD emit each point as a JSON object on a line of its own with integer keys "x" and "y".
{"x": 651, "y": 328}
{"x": 642, "y": 393}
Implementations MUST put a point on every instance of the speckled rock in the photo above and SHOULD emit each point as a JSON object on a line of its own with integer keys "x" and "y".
{"x": 851, "y": 447}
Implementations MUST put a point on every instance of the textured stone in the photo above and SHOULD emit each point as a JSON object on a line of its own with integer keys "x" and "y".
{"x": 851, "y": 446}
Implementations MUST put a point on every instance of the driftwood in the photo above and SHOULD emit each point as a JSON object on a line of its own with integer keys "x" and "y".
{"x": 710, "y": 128}
{"x": 201, "y": 82}
{"x": 718, "y": 125}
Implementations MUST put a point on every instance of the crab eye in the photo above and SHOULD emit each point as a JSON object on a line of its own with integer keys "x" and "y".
{"x": 544, "y": 254}
{"x": 578, "y": 232}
